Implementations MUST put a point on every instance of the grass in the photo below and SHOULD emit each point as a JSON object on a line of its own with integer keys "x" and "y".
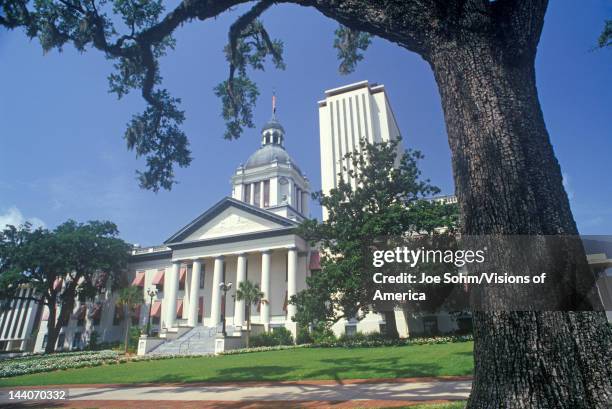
{"x": 454, "y": 405}
{"x": 292, "y": 364}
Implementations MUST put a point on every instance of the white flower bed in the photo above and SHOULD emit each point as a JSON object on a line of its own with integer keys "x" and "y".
{"x": 36, "y": 363}
{"x": 44, "y": 363}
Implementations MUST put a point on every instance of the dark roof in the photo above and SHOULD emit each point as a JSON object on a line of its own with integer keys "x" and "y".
{"x": 266, "y": 155}
{"x": 220, "y": 206}
{"x": 273, "y": 124}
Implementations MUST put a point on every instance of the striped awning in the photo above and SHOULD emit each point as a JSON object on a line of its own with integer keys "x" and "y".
{"x": 159, "y": 277}
{"x": 139, "y": 279}
{"x": 156, "y": 309}
{"x": 179, "y": 308}
{"x": 182, "y": 275}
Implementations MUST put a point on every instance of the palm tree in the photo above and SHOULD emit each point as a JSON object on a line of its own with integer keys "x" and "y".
{"x": 129, "y": 297}
{"x": 252, "y": 295}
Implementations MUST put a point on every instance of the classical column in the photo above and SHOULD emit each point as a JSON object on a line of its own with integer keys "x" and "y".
{"x": 266, "y": 261}
{"x": 196, "y": 270}
{"x": 240, "y": 277}
{"x": 215, "y": 307}
{"x": 292, "y": 259}
{"x": 170, "y": 293}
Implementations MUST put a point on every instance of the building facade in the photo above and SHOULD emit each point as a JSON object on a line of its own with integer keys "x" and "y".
{"x": 348, "y": 115}
{"x": 247, "y": 236}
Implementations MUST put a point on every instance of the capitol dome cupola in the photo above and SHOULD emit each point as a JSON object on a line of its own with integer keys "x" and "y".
{"x": 273, "y": 132}
{"x": 270, "y": 179}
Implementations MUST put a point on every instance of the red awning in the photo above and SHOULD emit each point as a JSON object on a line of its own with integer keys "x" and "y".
{"x": 80, "y": 312}
{"x": 57, "y": 284}
{"x": 156, "y": 309}
{"x": 96, "y": 312}
{"x": 159, "y": 278}
{"x": 139, "y": 279}
{"x": 179, "y": 308}
{"x": 182, "y": 275}
{"x": 315, "y": 261}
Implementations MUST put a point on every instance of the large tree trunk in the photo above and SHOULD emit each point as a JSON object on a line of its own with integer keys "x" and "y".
{"x": 128, "y": 321}
{"x": 52, "y": 332}
{"x": 391, "y": 325}
{"x": 509, "y": 182}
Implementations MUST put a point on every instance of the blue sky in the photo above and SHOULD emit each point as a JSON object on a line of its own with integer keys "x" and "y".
{"x": 62, "y": 154}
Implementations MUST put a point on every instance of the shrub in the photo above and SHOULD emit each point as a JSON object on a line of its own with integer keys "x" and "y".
{"x": 134, "y": 336}
{"x": 303, "y": 337}
{"x": 322, "y": 334}
{"x": 362, "y": 337}
{"x": 94, "y": 341}
{"x": 281, "y": 336}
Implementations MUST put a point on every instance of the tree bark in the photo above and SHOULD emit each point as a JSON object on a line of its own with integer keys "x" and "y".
{"x": 391, "y": 325}
{"x": 51, "y": 325}
{"x": 126, "y": 337}
{"x": 509, "y": 182}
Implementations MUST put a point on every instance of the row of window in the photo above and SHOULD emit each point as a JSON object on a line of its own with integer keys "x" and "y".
{"x": 258, "y": 199}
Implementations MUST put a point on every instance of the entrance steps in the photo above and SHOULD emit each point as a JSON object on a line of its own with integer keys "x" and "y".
{"x": 199, "y": 340}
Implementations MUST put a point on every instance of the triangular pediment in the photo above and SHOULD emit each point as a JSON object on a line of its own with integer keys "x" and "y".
{"x": 229, "y": 217}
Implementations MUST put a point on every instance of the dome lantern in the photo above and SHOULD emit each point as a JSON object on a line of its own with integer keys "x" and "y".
{"x": 273, "y": 132}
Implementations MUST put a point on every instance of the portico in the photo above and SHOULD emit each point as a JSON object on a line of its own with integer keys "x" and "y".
{"x": 258, "y": 266}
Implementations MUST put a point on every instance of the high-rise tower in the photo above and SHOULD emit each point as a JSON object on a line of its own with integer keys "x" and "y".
{"x": 347, "y": 115}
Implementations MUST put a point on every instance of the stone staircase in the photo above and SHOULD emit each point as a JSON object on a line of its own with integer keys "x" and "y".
{"x": 197, "y": 341}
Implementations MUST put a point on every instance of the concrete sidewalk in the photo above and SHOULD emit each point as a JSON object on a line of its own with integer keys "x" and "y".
{"x": 269, "y": 395}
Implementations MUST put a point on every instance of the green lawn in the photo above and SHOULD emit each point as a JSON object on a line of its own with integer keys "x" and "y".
{"x": 454, "y": 405}
{"x": 292, "y": 364}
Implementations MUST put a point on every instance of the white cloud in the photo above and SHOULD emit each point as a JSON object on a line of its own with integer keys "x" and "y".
{"x": 14, "y": 217}
{"x": 567, "y": 185}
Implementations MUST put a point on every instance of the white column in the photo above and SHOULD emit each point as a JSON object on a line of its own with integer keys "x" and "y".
{"x": 292, "y": 258}
{"x": 266, "y": 259}
{"x": 240, "y": 277}
{"x": 305, "y": 207}
{"x": 215, "y": 306}
{"x": 170, "y": 293}
{"x": 196, "y": 270}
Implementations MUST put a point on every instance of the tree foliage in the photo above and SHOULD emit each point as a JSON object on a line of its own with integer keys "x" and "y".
{"x": 73, "y": 261}
{"x": 129, "y": 298}
{"x": 252, "y": 295}
{"x": 605, "y": 38}
{"x": 135, "y": 34}
{"x": 380, "y": 193}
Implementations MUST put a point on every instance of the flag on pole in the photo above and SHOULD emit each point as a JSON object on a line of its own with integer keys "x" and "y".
{"x": 273, "y": 103}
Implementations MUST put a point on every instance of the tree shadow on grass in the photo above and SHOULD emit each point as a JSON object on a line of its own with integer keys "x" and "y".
{"x": 341, "y": 368}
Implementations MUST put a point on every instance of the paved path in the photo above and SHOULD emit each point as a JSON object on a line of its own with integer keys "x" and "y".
{"x": 270, "y": 395}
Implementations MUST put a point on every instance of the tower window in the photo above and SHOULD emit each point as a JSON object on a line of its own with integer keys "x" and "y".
{"x": 266, "y": 193}
{"x": 257, "y": 194}
{"x": 247, "y": 193}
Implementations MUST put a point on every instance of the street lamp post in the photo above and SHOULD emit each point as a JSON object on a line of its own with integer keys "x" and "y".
{"x": 152, "y": 292}
{"x": 225, "y": 288}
